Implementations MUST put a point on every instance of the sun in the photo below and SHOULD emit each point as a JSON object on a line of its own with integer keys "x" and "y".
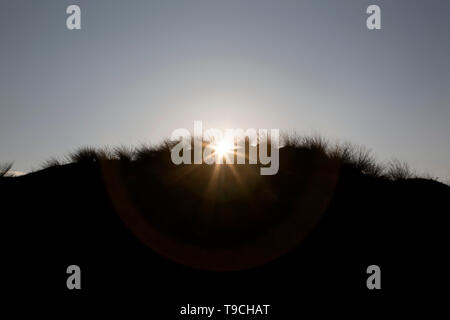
{"x": 223, "y": 147}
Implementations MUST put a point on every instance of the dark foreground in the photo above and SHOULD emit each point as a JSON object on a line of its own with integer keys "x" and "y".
{"x": 161, "y": 237}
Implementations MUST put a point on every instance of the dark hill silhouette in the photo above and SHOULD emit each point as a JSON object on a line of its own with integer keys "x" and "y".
{"x": 138, "y": 225}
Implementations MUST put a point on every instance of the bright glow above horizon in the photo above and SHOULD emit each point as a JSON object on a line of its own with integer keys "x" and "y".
{"x": 223, "y": 147}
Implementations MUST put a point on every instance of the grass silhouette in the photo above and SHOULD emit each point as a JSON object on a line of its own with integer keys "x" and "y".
{"x": 131, "y": 215}
{"x": 355, "y": 158}
{"x": 5, "y": 168}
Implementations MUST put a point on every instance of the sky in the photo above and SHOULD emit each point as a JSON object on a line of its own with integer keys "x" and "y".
{"x": 137, "y": 70}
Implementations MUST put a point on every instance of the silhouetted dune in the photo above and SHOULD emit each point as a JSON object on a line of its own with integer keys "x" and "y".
{"x": 136, "y": 223}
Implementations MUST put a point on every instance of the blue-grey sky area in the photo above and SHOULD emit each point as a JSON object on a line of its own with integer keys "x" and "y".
{"x": 137, "y": 70}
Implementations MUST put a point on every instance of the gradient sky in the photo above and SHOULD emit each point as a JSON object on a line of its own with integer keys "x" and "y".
{"x": 137, "y": 70}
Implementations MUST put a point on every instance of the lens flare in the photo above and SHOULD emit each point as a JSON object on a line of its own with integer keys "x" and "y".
{"x": 223, "y": 148}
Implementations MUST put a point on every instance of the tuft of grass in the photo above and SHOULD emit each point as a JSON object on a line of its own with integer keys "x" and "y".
{"x": 315, "y": 142}
{"x": 52, "y": 162}
{"x": 4, "y": 168}
{"x": 358, "y": 157}
{"x": 124, "y": 153}
{"x": 91, "y": 154}
{"x": 398, "y": 170}
{"x": 168, "y": 144}
{"x": 147, "y": 152}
